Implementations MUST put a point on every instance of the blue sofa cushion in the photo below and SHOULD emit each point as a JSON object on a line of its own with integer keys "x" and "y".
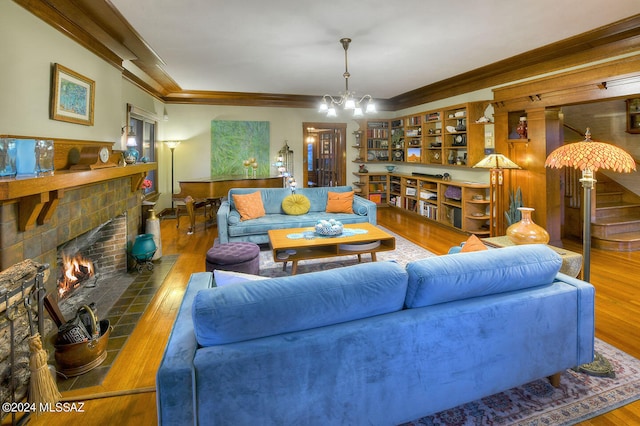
{"x": 450, "y": 277}
{"x": 234, "y": 217}
{"x": 256, "y": 309}
{"x": 360, "y": 209}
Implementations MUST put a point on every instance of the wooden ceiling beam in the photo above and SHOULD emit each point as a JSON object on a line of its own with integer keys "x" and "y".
{"x": 99, "y": 27}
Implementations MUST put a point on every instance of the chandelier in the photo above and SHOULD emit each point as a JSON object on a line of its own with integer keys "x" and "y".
{"x": 347, "y": 99}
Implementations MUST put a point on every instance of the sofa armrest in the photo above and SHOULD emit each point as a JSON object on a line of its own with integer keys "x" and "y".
{"x": 175, "y": 383}
{"x": 222, "y": 221}
{"x": 362, "y": 204}
{"x": 586, "y": 315}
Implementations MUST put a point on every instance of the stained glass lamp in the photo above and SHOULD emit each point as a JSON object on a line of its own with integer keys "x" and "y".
{"x": 589, "y": 157}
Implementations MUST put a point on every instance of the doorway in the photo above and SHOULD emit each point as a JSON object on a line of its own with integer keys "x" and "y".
{"x": 325, "y": 154}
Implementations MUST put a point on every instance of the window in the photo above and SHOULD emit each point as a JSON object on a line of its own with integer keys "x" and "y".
{"x": 144, "y": 124}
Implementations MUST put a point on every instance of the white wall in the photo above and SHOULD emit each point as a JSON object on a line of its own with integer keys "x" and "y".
{"x": 29, "y": 49}
{"x": 191, "y": 124}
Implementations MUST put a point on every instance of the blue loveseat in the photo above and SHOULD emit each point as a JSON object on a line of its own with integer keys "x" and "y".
{"x": 231, "y": 228}
{"x": 372, "y": 343}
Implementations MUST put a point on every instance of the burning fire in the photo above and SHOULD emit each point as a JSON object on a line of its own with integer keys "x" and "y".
{"x": 74, "y": 271}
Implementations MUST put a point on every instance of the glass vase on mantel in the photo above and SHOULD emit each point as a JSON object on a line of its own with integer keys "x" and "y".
{"x": 526, "y": 231}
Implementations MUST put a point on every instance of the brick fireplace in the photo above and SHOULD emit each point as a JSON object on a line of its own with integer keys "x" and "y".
{"x": 78, "y": 211}
{"x": 95, "y": 255}
{"x": 39, "y": 215}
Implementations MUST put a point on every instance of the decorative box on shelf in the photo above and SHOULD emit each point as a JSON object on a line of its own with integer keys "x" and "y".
{"x": 25, "y": 157}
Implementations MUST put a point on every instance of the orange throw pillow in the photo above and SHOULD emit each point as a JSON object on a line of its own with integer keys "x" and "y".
{"x": 249, "y": 205}
{"x": 340, "y": 202}
{"x": 473, "y": 243}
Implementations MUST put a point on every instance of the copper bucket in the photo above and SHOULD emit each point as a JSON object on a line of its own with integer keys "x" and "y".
{"x": 74, "y": 359}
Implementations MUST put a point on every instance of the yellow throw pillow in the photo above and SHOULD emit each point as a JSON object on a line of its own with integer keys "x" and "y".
{"x": 296, "y": 204}
{"x": 473, "y": 243}
{"x": 340, "y": 202}
{"x": 249, "y": 205}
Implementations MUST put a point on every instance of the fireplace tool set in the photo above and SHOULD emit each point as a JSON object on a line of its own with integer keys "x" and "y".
{"x": 29, "y": 293}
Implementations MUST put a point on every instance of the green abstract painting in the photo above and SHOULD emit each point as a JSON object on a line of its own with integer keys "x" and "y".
{"x": 232, "y": 142}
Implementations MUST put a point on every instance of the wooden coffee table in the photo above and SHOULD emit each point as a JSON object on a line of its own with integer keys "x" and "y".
{"x": 372, "y": 241}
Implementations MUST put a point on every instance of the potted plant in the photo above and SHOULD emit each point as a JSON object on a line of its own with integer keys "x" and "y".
{"x": 513, "y": 215}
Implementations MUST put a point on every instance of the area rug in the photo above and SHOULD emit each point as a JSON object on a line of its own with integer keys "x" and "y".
{"x": 579, "y": 397}
{"x": 404, "y": 253}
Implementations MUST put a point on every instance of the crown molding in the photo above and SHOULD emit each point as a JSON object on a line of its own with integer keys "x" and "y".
{"x": 99, "y": 27}
{"x": 619, "y": 38}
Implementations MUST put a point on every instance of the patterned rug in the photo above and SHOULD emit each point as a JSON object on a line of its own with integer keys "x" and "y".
{"x": 405, "y": 252}
{"x": 579, "y": 397}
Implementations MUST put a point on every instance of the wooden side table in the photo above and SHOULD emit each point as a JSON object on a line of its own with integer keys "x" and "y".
{"x": 571, "y": 261}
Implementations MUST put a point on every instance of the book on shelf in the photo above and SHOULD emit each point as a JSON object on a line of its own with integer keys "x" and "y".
{"x": 433, "y": 116}
{"x": 428, "y": 210}
{"x": 376, "y": 198}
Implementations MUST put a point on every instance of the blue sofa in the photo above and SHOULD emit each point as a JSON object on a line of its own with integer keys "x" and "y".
{"x": 231, "y": 228}
{"x": 372, "y": 343}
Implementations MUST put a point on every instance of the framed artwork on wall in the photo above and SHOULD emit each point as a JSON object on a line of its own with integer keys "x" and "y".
{"x": 233, "y": 142}
{"x": 72, "y": 96}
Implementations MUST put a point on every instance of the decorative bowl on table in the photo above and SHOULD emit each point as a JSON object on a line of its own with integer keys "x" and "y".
{"x": 329, "y": 227}
{"x": 390, "y": 169}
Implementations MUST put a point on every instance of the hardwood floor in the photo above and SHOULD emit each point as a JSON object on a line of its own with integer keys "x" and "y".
{"x": 127, "y": 395}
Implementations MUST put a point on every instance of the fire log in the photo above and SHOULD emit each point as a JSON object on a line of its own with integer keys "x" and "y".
{"x": 13, "y": 277}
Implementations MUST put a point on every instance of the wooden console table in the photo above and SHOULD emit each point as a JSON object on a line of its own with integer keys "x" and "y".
{"x": 571, "y": 261}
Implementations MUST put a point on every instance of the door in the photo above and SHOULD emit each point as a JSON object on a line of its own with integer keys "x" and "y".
{"x": 325, "y": 159}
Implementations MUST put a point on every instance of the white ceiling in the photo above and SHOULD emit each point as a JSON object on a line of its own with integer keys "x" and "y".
{"x": 292, "y": 46}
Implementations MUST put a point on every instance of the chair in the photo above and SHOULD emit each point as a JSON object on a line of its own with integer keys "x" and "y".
{"x": 189, "y": 206}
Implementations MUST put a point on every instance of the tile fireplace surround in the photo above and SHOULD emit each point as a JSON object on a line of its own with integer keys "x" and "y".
{"x": 79, "y": 210}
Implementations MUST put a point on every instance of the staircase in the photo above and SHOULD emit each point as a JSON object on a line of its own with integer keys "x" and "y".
{"x": 616, "y": 221}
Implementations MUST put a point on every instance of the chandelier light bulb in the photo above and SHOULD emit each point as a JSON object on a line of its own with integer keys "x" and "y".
{"x": 349, "y": 103}
{"x": 347, "y": 99}
{"x": 371, "y": 107}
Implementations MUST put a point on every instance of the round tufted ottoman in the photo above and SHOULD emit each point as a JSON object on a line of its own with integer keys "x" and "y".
{"x": 238, "y": 257}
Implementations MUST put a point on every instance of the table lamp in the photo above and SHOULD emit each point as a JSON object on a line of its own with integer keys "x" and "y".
{"x": 496, "y": 163}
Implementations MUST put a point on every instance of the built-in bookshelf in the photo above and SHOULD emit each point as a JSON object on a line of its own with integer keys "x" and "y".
{"x": 372, "y": 186}
{"x": 448, "y": 136}
{"x": 378, "y": 134}
{"x": 462, "y": 205}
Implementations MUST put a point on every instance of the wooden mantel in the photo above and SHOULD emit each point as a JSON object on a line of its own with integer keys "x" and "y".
{"x": 38, "y": 197}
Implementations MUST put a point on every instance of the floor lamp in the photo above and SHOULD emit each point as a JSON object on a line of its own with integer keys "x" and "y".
{"x": 172, "y": 146}
{"x": 496, "y": 163}
{"x": 589, "y": 157}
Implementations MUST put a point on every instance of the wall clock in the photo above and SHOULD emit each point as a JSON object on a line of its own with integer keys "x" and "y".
{"x": 93, "y": 157}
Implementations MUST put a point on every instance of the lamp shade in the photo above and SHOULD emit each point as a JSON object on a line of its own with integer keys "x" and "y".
{"x": 496, "y": 161}
{"x": 590, "y": 155}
